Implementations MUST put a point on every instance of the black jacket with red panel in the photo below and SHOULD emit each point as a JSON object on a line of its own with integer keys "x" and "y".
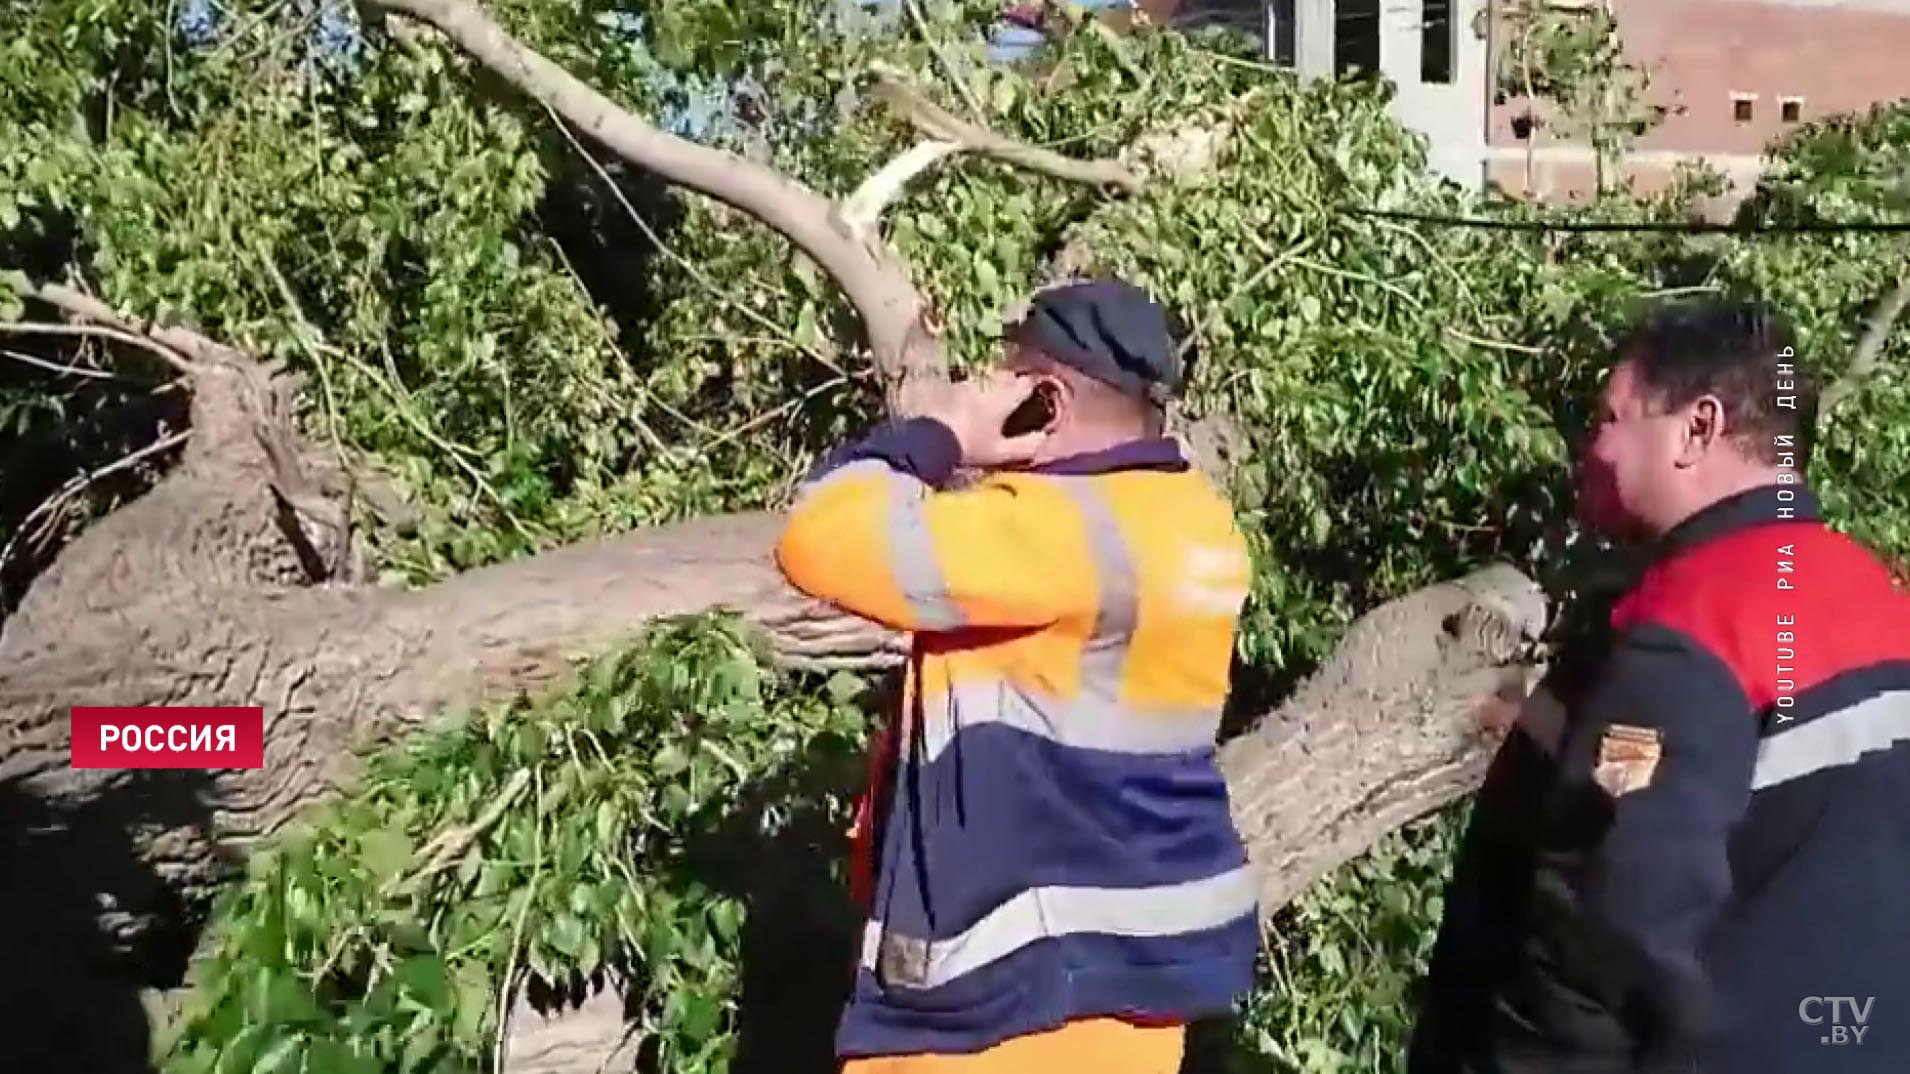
{"x": 1698, "y": 858}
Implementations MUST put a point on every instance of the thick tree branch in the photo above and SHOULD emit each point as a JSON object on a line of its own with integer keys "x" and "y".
{"x": 937, "y": 124}
{"x": 843, "y": 242}
{"x": 1869, "y": 348}
{"x": 190, "y": 596}
{"x": 864, "y": 207}
{"x": 48, "y": 513}
{"x": 946, "y": 136}
{"x": 875, "y": 280}
{"x": 178, "y": 347}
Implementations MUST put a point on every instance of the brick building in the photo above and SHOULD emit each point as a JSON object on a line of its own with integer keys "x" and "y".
{"x": 1735, "y": 75}
{"x": 1732, "y": 74}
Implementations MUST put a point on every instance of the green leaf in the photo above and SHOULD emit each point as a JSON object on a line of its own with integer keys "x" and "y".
{"x": 671, "y": 760}
{"x": 288, "y": 1001}
{"x": 532, "y": 739}
{"x": 726, "y": 917}
{"x": 589, "y": 954}
{"x": 807, "y": 333}
{"x": 421, "y": 1043}
{"x": 986, "y": 278}
{"x": 474, "y": 997}
{"x": 677, "y": 803}
{"x": 1001, "y": 95}
{"x": 242, "y": 1050}
{"x": 423, "y": 976}
{"x": 608, "y": 826}
{"x": 567, "y": 934}
{"x": 335, "y": 1057}
{"x": 386, "y": 853}
{"x": 845, "y": 687}
{"x": 630, "y": 911}
{"x": 697, "y": 1015}
{"x": 12, "y": 306}
{"x": 660, "y": 940}
{"x": 283, "y": 1057}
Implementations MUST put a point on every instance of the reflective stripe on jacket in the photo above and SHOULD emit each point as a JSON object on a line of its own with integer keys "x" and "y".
{"x": 1056, "y": 840}
{"x": 1665, "y": 872}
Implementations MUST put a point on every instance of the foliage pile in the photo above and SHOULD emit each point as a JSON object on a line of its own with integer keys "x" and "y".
{"x": 581, "y": 839}
{"x": 538, "y": 345}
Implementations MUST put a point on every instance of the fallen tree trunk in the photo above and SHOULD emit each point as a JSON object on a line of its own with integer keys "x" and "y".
{"x": 211, "y": 591}
{"x": 236, "y": 582}
{"x": 1387, "y": 731}
{"x": 191, "y": 596}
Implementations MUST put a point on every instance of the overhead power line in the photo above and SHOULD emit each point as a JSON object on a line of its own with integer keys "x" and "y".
{"x": 1693, "y": 227}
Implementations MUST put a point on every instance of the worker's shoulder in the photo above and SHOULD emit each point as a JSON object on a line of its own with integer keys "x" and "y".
{"x": 1181, "y": 483}
{"x": 1186, "y": 487}
{"x": 1149, "y": 508}
{"x": 1797, "y": 563}
{"x": 1163, "y": 502}
{"x": 1739, "y": 597}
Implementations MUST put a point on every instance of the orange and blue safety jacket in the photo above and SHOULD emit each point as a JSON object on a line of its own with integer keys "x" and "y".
{"x": 1052, "y": 838}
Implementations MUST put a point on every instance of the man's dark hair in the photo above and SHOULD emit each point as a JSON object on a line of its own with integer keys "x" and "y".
{"x": 1742, "y": 352}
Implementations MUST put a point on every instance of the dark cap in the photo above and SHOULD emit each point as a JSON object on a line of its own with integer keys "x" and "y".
{"x": 1109, "y": 330}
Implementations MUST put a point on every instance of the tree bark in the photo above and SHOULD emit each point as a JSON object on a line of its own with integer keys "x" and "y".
{"x": 198, "y": 594}
{"x": 1863, "y": 360}
{"x": 904, "y": 348}
{"x": 238, "y": 581}
{"x": 226, "y": 585}
{"x": 1387, "y": 731}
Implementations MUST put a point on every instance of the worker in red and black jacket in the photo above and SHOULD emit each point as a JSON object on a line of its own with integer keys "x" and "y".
{"x": 1692, "y": 853}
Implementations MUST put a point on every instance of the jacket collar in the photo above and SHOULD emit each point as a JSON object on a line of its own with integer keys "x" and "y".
{"x": 1154, "y": 453}
{"x": 1753, "y": 507}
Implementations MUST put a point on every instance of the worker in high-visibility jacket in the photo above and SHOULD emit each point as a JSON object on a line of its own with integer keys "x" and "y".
{"x": 1051, "y": 875}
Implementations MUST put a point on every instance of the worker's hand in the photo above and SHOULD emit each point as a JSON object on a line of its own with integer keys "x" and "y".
{"x": 976, "y": 409}
{"x": 1496, "y": 714}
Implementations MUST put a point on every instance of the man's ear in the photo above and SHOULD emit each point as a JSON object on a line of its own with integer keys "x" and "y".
{"x": 1061, "y": 397}
{"x": 1059, "y": 390}
{"x": 1704, "y": 429}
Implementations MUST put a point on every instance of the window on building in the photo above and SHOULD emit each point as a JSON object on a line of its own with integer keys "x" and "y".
{"x": 1436, "y": 37}
{"x": 1281, "y": 49}
{"x": 1356, "y": 37}
{"x": 1791, "y": 109}
{"x": 1743, "y": 107}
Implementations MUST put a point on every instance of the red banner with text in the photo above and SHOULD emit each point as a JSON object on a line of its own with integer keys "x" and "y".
{"x": 166, "y": 737}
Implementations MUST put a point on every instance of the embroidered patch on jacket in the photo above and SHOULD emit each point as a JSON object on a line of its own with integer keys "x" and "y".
{"x": 1627, "y": 758}
{"x": 904, "y": 960}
